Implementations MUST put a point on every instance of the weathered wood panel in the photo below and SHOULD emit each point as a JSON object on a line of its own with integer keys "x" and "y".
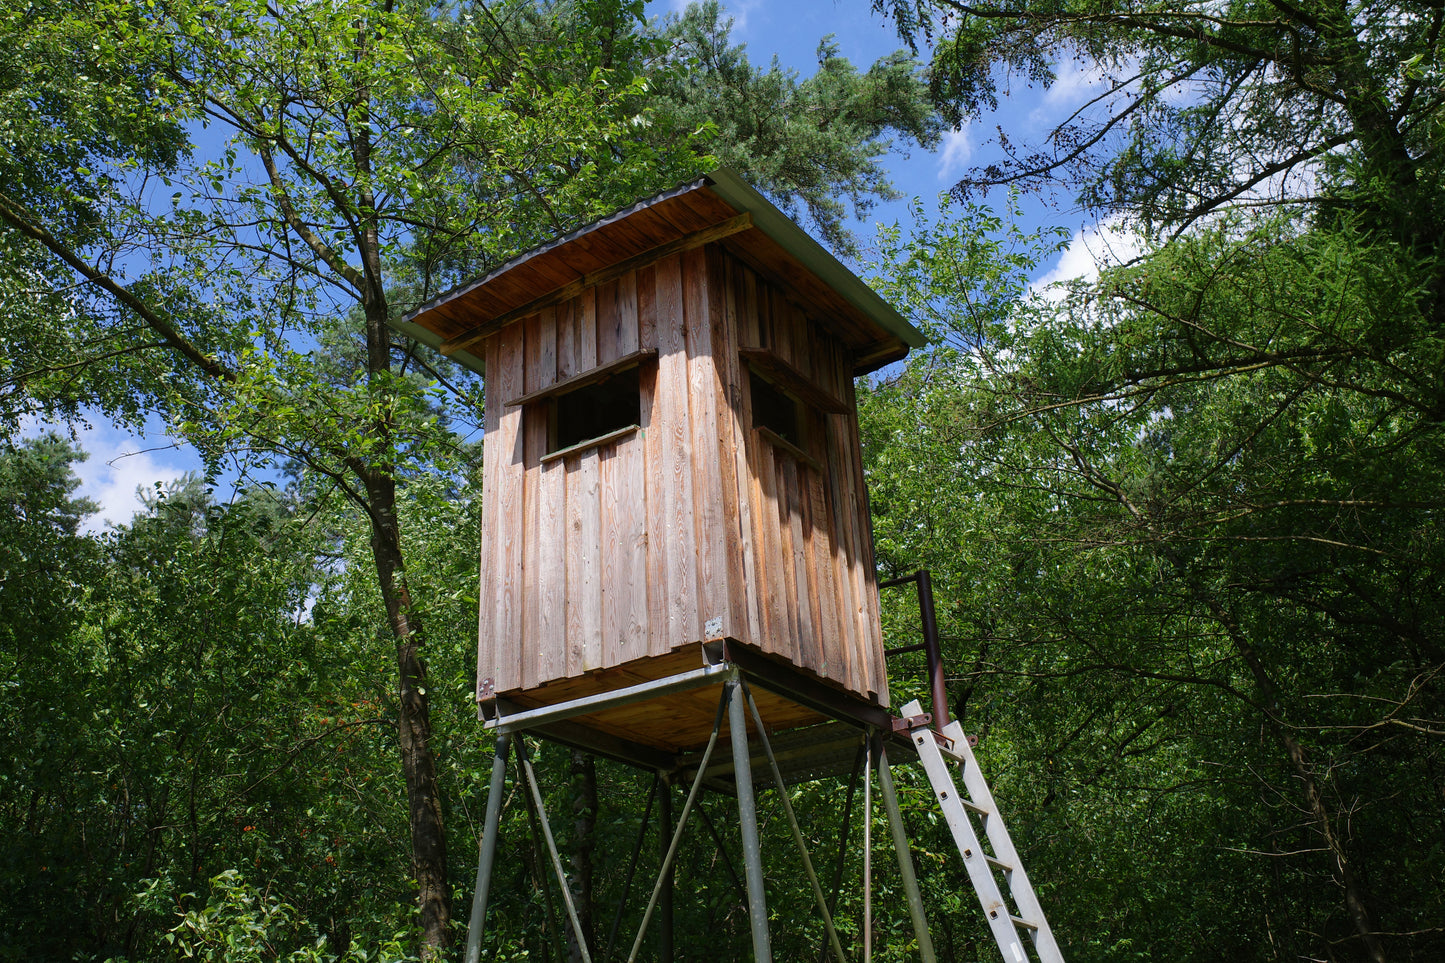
{"x": 714, "y": 537}
{"x": 811, "y": 561}
{"x": 671, "y": 421}
{"x": 731, "y": 448}
{"x": 627, "y": 549}
{"x": 503, "y": 457}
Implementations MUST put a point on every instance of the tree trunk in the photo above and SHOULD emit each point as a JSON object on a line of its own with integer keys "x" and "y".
{"x": 428, "y": 838}
{"x": 1345, "y": 872}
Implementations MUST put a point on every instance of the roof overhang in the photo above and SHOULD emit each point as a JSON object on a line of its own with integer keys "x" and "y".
{"x": 720, "y": 208}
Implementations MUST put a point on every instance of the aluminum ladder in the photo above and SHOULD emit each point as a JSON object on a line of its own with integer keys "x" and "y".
{"x": 958, "y": 810}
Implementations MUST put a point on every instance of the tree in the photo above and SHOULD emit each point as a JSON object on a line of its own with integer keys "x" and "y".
{"x": 1211, "y": 471}
{"x": 1203, "y": 106}
{"x": 1184, "y": 520}
{"x": 319, "y": 159}
{"x": 804, "y": 142}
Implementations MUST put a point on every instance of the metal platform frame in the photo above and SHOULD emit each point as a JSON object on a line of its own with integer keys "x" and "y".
{"x": 866, "y": 730}
{"x": 735, "y": 702}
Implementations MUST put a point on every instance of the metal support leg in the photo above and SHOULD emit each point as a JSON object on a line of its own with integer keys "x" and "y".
{"x": 868, "y": 853}
{"x": 798, "y": 841}
{"x": 488, "y": 850}
{"x": 531, "y": 779}
{"x": 748, "y": 824}
{"x": 905, "y": 857}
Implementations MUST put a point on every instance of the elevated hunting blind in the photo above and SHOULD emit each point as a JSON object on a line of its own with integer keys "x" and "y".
{"x": 671, "y": 457}
{"x": 675, "y": 527}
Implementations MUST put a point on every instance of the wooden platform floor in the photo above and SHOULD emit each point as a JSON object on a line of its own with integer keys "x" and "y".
{"x": 814, "y": 728}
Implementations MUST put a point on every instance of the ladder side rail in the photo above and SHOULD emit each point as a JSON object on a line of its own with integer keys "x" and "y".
{"x": 1022, "y": 890}
{"x": 1000, "y": 917}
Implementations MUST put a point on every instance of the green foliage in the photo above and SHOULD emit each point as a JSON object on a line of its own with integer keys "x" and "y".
{"x": 1197, "y": 106}
{"x": 1182, "y": 521}
{"x": 240, "y": 923}
{"x": 805, "y": 142}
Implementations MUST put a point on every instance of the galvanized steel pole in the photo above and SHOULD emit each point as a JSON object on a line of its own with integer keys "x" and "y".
{"x": 905, "y": 857}
{"x": 488, "y": 854}
{"x": 748, "y": 826}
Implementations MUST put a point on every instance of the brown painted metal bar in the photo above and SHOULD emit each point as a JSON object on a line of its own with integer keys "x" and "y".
{"x": 938, "y": 683}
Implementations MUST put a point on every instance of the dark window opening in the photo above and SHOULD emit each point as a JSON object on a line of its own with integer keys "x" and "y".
{"x": 776, "y": 411}
{"x": 596, "y": 410}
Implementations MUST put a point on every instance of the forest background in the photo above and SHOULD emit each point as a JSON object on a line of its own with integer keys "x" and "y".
{"x": 1181, "y": 515}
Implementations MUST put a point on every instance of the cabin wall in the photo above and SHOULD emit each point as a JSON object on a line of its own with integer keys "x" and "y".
{"x": 692, "y": 527}
{"x": 810, "y": 554}
{"x": 622, "y": 550}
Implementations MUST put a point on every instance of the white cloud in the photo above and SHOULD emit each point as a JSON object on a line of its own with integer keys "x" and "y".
{"x": 737, "y": 10}
{"x": 1091, "y": 249}
{"x": 1075, "y": 84}
{"x": 955, "y": 154}
{"x": 120, "y": 463}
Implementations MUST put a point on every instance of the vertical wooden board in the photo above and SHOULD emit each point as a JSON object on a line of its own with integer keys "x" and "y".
{"x": 507, "y": 495}
{"x": 566, "y": 326}
{"x": 615, "y": 594}
{"x": 632, "y": 452}
{"x": 655, "y": 482}
{"x": 710, "y": 528}
{"x": 624, "y": 549}
{"x": 628, "y": 337}
{"x": 549, "y": 583}
{"x": 811, "y": 348}
{"x": 766, "y": 576}
{"x": 671, "y": 419}
{"x": 529, "y": 636}
{"x": 609, "y": 321}
{"x": 839, "y": 369}
{"x": 732, "y": 458}
{"x": 780, "y": 325}
{"x": 843, "y": 548}
{"x": 865, "y": 578}
{"x": 491, "y": 459}
{"x": 766, "y": 320}
{"x": 646, "y": 307}
{"x": 584, "y": 562}
{"x": 792, "y": 641}
{"x": 810, "y": 647}
{"x": 747, "y": 290}
{"x": 820, "y": 561}
{"x": 540, "y": 371}
{"x": 586, "y": 344}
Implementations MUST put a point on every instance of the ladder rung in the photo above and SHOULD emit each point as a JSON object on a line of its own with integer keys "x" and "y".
{"x": 999, "y": 864}
{"x": 1025, "y": 924}
{"x": 949, "y": 753}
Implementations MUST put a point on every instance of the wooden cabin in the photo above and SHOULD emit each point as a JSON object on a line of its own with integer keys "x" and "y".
{"x": 672, "y": 457}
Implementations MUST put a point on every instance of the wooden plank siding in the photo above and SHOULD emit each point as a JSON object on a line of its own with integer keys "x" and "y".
{"x": 691, "y": 527}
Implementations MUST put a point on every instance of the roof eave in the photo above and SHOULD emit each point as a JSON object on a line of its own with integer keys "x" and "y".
{"x": 813, "y": 256}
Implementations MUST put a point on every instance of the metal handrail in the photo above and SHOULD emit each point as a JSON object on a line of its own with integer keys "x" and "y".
{"x": 937, "y": 684}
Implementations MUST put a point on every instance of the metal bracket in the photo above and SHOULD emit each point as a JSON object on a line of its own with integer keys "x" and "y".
{"x": 486, "y": 688}
{"x": 909, "y": 723}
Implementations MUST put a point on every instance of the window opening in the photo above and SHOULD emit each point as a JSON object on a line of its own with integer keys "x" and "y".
{"x": 595, "y": 410}
{"x": 776, "y": 411}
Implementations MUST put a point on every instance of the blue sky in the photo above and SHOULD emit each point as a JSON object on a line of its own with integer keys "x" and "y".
{"x": 789, "y": 29}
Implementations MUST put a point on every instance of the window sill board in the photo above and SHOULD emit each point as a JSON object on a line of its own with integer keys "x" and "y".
{"x": 590, "y": 443}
